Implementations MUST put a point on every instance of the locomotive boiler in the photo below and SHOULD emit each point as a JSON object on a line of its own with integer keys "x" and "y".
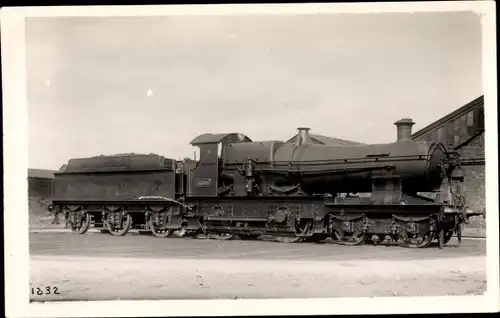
{"x": 292, "y": 191}
{"x": 333, "y": 169}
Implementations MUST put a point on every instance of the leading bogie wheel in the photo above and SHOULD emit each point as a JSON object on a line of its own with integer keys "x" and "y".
{"x": 420, "y": 241}
{"x": 349, "y": 239}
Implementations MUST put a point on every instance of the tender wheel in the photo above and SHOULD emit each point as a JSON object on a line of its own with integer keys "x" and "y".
{"x": 123, "y": 229}
{"x": 350, "y": 239}
{"x": 158, "y": 231}
{"x": 84, "y": 225}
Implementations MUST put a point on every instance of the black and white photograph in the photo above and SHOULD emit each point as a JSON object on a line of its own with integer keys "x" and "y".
{"x": 250, "y": 159}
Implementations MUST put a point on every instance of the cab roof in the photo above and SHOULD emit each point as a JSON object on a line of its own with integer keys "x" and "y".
{"x": 217, "y": 138}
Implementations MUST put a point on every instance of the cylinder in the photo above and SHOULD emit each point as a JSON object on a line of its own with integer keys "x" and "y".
{"x": 404, "y": 129}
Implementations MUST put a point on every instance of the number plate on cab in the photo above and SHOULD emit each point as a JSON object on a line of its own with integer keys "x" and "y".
{"x": 204, "y": 183}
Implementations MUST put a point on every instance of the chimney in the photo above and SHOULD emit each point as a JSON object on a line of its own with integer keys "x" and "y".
{"x": 404, "y": 129}
{"x": 303, "y": 137}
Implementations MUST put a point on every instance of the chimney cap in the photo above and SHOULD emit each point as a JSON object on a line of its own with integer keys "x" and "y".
{"x": 303, "y": 128}
{"x": 404, "y": 126}
{"x": 405, "y": 121}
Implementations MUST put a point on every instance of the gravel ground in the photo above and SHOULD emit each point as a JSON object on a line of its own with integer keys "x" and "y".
{"x": 90, "y": 278}
{"x": 104, "y": 267}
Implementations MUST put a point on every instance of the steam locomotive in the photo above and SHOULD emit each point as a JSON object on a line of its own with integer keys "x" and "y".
{"x": 403, "y": 192}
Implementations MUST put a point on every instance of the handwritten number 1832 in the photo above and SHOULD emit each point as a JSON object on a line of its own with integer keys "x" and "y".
{"x": 47, "y": 290}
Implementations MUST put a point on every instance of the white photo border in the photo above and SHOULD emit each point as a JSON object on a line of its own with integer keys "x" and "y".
{"x": 16, "y": 162}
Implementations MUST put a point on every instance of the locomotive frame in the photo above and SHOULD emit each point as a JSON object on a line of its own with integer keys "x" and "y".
{"x": 242, "y": 196}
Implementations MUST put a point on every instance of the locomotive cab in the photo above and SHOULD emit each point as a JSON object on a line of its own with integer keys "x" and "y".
{"x": 203, "y": 179}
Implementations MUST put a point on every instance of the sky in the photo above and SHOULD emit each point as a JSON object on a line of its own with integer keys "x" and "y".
{"x": 105, "y": 85}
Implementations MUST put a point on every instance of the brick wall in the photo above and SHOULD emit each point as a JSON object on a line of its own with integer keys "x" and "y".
{"x": 474, "y": 191}
{"x": 474, "y": 149}
{"x": 474, "y": 182}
